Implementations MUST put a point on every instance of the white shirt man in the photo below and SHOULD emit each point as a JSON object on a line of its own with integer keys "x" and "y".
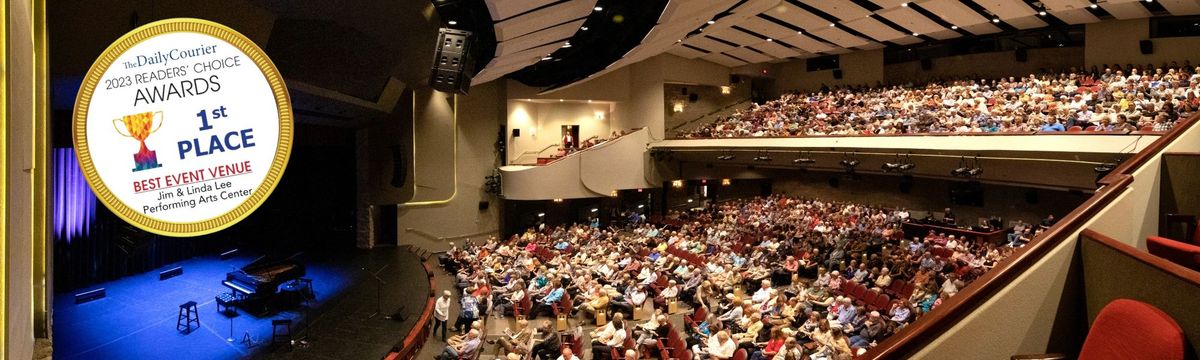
{"x": 721, "y": 346}
{"x": 441, "y": 309}
{"x": 763, "y": 294}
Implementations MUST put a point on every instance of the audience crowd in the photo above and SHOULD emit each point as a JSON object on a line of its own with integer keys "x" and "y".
{"x": 778, "y": 276}
{"x": 1115, "y": 99}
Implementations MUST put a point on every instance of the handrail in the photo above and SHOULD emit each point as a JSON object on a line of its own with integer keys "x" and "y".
{"x": 710, "y": 113}
{"x": 912, "y": 337}
{"x": 415, "y": 340}
{"x": 1160, "y": 264}
{"x": 535, "y": 153}
{"x": 597, "y": 146}
{"x": 945, "y": 133}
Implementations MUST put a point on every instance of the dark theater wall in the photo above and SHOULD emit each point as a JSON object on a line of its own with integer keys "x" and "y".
{"x": 1009, "y": 202}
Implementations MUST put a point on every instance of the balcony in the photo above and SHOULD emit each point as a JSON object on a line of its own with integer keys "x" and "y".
{"x": 593, "y": 172}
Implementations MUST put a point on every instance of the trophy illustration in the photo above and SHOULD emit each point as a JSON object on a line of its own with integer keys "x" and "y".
{"x": 140, "y": 126}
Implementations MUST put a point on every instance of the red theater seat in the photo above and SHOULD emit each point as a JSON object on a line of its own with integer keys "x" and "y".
{"x": 1129, "y": 330}
{"x": 1075, "y": 128}
{"x": 1178, "y": 252}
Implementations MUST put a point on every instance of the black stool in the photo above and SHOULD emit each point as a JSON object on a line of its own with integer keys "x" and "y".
{"x": 286, "y": 335}
{"x": 225, "y": 304}
{"x": 306, "y": 287}
{"x": 187, "y": 315}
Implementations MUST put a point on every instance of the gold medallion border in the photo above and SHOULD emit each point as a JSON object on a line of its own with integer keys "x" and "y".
{"x": 282, "y": 152}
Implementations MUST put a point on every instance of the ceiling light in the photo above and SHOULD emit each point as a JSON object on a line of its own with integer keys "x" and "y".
{"x": 1149, "y": 0}
{"x": 710, "y": 22}
{"x": 1093, "y": 6}
{"x": 1042, "y": 13}
{"x": 800, "y": 32}
{"x": 996, "y": 20}
{"x": 567, "y": 44}
{"x": 916, "y": 34}
{"x": 560, "y": 100}
{"x": 904, "y": 4}
{"x": 547, "y": 57}
{"x": 598, "y": 8}
{"x": 679, "y": 41}
{"x": 832, "y": 24}
{"x": 770, "y": 39}
{"x": 954, "y": 27}
{"x": 541, "y": 214}
{"x": 452, "y": 22}
{"x": 584, "y": 28}
{"x": 595, "y": 209}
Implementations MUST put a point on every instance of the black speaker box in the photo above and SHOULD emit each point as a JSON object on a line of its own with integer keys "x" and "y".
{"x": 452, "y": 62}
{"x": 837, "y": 73}
{"x": 1146, "y": 46}
{"x": 516, "y": 133}
{"x": 735, "y": 79}
{"x": 170, "y": 273}
{"x": 483, "y": 205}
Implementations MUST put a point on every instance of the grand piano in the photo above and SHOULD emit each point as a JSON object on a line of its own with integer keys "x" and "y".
{"x": 255, "y": 285}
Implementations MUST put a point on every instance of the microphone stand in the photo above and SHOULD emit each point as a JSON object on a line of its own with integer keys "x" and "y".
{"x": 378, "y": 291}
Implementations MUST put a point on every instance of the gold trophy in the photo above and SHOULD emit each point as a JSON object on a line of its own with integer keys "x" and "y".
{"x": 139, "y": 126}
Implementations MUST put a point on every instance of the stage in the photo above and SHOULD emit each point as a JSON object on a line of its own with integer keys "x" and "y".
{"x": 137, "y": 319}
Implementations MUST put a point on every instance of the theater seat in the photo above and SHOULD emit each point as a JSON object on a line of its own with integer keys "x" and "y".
{"x": 1075, "y": 128}
{"x": 1178, "y": 252}
{"x": 1131, "y": 330}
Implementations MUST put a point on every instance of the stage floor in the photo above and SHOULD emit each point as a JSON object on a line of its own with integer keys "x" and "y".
{"x": 137, "y": 319}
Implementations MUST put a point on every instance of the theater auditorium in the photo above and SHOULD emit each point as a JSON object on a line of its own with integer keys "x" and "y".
{"x": 600, "y": 179}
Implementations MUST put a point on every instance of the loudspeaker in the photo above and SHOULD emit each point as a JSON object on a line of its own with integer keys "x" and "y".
{"x": 906, "y": 183}
{"x": 926, "y": 64}
{"x": 170, "y": 273}
{"x": 693, "y": 97}
{"x": 90, "y": 295}
{"x": 483, "y": 205}
{"x": 735, "y": 79}
{"x": 452, "y": 62}
{"x": 516, "y": 133}
{"x": 1146, "y": 46}
{"x": 1021, "y": 55}
{"x": 837, "y": 73}
{"x": 399, "y": 170}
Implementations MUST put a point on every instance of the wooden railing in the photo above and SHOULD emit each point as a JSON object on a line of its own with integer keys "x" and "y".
{"x": 415, "y": 340}
{"x": 929, "y": 327}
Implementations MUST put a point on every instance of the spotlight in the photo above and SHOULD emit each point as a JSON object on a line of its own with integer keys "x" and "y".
{"x": 849, "y": 163}
{"x": 916, "y": 34}
{"x": 763, "y": 156}
{"x": 908, "y": 166}
{"x": 975, "y": 172}
{"x": 1105, "y": 168}
{"x": 710, "y": 22}
{"x": 803, "y": 160}
{"x": 996, "y": 20}
{"x": 541, "y": 214}
{"x": 957, "y": 172}
{"x": 953, "y": 27}
{"x": 904, "y": 4}
{"x": 584, "y": 28}
{"x": 595, "y": 210}
{"x": 1042, "y": 13}
{"x": 902, "y": 164}
{"x": 967, "y": 169}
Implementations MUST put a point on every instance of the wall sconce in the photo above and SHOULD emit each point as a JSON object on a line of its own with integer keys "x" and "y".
{"x": 678, "y": 107}
{"x": 613, "y": 193}
{"x": 677, "y": 183}
{"x": 599, "y": 115}
{"x": 726, "y": 90}
{"x": 726, "y": 182}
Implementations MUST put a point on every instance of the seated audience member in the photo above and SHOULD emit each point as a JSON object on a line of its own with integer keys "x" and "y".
{"x": 511, "y": 342}
{"x": 719, "y": 347}
{"x": 547, "y": 345}
{"x": 871, "y": 331}
{"x": 466, "y": 350}
{"x": 567, "y": 354}
{"x": 612, "y": 335}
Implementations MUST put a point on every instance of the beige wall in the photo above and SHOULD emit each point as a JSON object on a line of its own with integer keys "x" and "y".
{"x": 858, "y": 68}
{"x": 1008, "y": 202}
{"x": 986, "y": 65}
{"x": 1110, "y": 42}
{"x": 541, "y": 123}
{"x": 709, "y": 99}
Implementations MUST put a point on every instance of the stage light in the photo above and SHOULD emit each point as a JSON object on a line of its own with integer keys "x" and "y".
{"x": 595, "y": 210}
{"x": 584, "y": 28}
{"x": 803, "y": 160}
{"x": 726, "y": 156}
{"x": 541, "y": 214}
{"x": 957, "y": 172}
{"x": 975, "y": 172}
{"x": 641, "y": 206}
{"x": 916, "y": 34}
{"x": 690, "y": 201}
{"x": 763, "y": 156}
{"x": 726, "y": 90}
{"x": 890, "y": 167}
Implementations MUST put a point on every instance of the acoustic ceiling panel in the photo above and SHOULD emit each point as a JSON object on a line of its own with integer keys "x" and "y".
{"x": 687, "y": 52}
{"x": 767, "y": 28}
{"x": 749, "y": 55}
{"x": 840, "y": 37}
{"x": 1125, "y": 10}
{"x": 955, "y": 12}
{"x": 797, "y": 17}
{"x": 842, "y": 9}
{"x": 911, "y": 19}
{"x": 1181, "y": 7}
{"x": 735, "y": 36}
{"x": 806, "y": 43}
{"x": 723, "y": 59}
{"x": 538, "y": 38}
{"x": 1026, "y": 22}
{"x": 775, "y": 49}
{"x": 543, "y": 18}
{"x": 1075, "y": 16}
{"x": 875, "y": 29}
{"x": 503, "y": 9}
{"x": 707, "y": 44}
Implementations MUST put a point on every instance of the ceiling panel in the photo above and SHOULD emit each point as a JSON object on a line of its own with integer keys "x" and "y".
{"x": 734, "y": 35}
{"x": 842, "y": 9}
{"x": 1125, "y": 10}
{"x": 943, "y": 34}
{"x": 806, "y": 43}
{"x": 538, "y": 38}
{"x": 707, "y": 44}
{"x": 1181, "y": 7}
{"x": 503, "y": 9}
{"x": 982, "y": 28}
{"x": 537, "y": 20}
{"x": 686, "y": 52}
{"x": 767, "y": 28}
{"x": 723, "y": 60}
{"x": 797, "y": 17}
{"x": 875, "y": 29}
{"x": 1075, "y": 16}
{"x": 908, "y": 40}
{"x": 910, "y": 19}
{"x": 872, "y": 46}
{"x": 774, "y": 49}
{"x": 1054, "y": 5}
{"x": 1026, "y": 22}
{"x": 749, "y": 55}
{"x": 889, "y": 3}
{"x": 840, "y": 37}
{"x": 955, "y": 12}
{"x": 1007, "y": 9}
